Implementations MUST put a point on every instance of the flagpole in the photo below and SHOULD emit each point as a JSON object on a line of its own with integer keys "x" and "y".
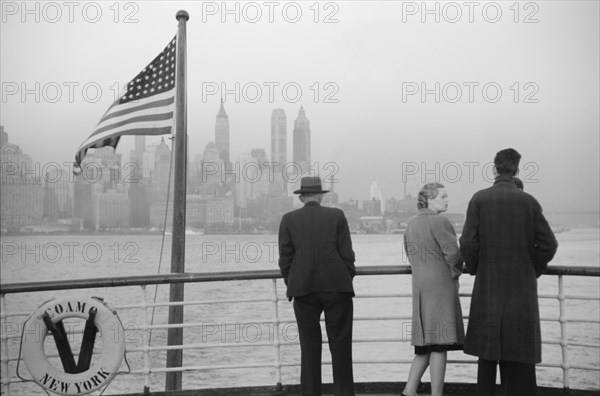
{"x": 175, "y": 335}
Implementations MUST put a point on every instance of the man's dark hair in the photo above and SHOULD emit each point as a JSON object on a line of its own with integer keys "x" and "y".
{"x": 507, "y": 162}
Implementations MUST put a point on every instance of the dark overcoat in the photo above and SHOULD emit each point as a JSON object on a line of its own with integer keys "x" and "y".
{"x": 432, "y": 249}
{"x": 315, "y": 251}
{"x": 507, "y": 244}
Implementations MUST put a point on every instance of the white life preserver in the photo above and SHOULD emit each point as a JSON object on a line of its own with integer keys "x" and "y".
{"x": 100, "y": 372}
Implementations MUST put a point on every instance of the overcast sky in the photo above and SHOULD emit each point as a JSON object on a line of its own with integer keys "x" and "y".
{"x": 522, "y": 75}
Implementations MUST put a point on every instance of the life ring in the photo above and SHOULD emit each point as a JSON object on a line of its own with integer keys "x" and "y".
{"x": 100, "y": 372}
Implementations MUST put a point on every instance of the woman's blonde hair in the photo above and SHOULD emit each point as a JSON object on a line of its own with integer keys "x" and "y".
{"x": 428, "y": 191}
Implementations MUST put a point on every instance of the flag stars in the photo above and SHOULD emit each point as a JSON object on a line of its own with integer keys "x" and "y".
{"x": 157, "y": 77}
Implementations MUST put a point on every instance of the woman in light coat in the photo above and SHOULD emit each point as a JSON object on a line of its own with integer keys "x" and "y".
{"x": 431, "y": 246}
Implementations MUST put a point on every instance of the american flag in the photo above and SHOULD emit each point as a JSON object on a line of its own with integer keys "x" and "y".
{"x": 146, "y": 106}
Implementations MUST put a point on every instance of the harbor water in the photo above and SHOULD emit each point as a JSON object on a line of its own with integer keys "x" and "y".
{"x": 54, "y": 257}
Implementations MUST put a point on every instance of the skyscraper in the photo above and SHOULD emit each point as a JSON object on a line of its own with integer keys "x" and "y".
{"x": 373, "y": 207}
{"x": 279, "y": 151}
{"x": 3, "y": 136}
{"x": 137, "y": 155}
{"x": 375, "y": 191}
{"x": 162, "y": 166}
{"x": 302, "y": 141}
{"x": 211, "y": 170}
{"x": 222, "y": 134}
{"x": 279, "y": 137}
{"x": 140, "y": 144}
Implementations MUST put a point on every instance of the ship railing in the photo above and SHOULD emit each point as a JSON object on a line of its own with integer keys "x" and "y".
{"x": 10, "y": 358}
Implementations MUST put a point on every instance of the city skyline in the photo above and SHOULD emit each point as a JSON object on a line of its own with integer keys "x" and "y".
{"x": 410, "y": 186}
{"x": 101, "y": 198}
{"x": 394, "y": 92}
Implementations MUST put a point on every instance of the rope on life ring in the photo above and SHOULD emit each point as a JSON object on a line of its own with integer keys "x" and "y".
{"x": 84, "y": 376}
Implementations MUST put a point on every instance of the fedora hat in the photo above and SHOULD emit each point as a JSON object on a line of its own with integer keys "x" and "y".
{"x": 310, "y": 185}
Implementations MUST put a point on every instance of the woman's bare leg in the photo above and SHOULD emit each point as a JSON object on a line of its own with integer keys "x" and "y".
{"x": 437, "y": 369}
{"x": 417, "y": 368}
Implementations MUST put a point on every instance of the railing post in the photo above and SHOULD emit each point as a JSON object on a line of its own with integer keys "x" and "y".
{"x": 145, "y": 341}
{"x": 276, "y": 340}
{"x": 4, "y": 348}
{"x": 564, "y": 343}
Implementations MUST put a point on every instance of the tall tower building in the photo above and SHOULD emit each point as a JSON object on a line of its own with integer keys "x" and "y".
{"x": 302, "y": 141}
{"x": 140, "y": 144}
{"x": 222, "y": 134}
{"x": 3, "y": 136}
{"x": 162, "y": 164}
{"x": 243, "y": 189}
{"x": 157, "y": 190}
{"x": 137, "y": 155}
{"x": 260, "y": 178}
{"x": 279, "y": 152}
{"x": 279, "y": 137}
{"x": 373, "y": 206}
{"x": 211, "y": 170}
{"x": 375, "y": 191}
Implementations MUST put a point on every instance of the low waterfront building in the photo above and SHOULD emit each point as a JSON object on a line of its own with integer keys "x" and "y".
{"x": 372, "y": 207}
{"x": 219, "y": 210}
{"x": 58, "y": 194}
{"x": 21, "y": 205}
{"x": 111, "y": 209}
{"x": 21, "y": 189}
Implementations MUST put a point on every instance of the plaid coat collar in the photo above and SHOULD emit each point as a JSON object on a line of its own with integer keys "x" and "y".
{"x": 504, "y": 179}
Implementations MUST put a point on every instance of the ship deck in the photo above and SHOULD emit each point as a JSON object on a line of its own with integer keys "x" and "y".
{"x": 146, "y": 375}
{"x": 371, "y": 389}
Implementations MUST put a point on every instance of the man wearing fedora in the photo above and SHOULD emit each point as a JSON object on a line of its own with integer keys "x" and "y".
{"x": 317, "y": 263}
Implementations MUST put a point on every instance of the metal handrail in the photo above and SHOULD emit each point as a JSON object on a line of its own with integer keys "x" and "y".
{"x": 274, "y": 300}
{"x": 191, "y": 277}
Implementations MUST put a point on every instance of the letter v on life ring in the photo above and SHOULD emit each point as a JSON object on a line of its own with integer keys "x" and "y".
{"x": 102, "y": 369}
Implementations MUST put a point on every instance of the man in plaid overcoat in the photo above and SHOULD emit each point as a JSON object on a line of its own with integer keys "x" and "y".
{"x": 507, "y": 244}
